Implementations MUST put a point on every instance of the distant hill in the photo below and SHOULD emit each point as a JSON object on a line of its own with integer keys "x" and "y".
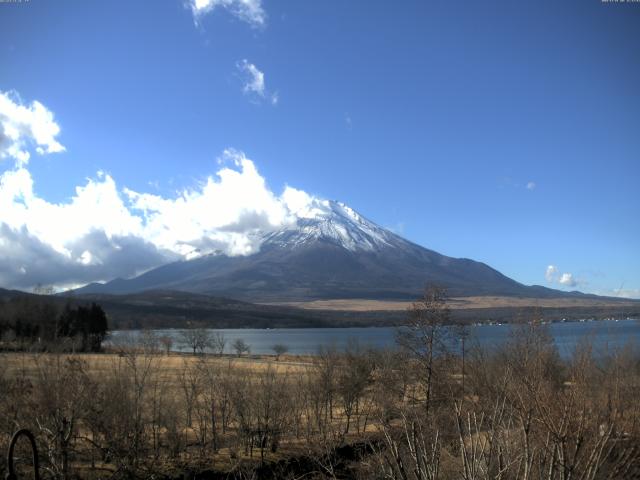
{"x": 175, "y": 309}
{"x": 8, "y": 294}
{"x": 334, "y": 253}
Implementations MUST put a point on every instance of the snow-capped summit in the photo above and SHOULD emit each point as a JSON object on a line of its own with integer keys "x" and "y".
{"x": 333, "y": 222}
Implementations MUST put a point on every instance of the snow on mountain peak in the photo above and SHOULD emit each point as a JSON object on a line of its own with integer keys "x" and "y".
{"x": 331, "y": 221}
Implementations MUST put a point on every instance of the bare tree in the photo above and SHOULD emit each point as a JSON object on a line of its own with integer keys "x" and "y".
{"x": 241, "y": 347}
{"x": 190, "y": 386}
{"x": 213, "y": 399}
{"x": 167, "y": 342}
{"x": 411, "y": 451}
{"x": 119, "y": 416}
{"x": 217, "y": 343}
{"x": 354, "y": 375}
{"x": 63, "y": 391}
{"x": 279, "y": 349}
{"x": 197, "y": 339}
{"x": 325, "y": 366}
{"x": 149, "y": 341}
{"x": 424, "y": 336}
{"x": 263, "y": 410}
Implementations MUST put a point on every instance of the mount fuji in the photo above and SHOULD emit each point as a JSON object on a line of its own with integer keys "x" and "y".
{"x": 329, "y": 252}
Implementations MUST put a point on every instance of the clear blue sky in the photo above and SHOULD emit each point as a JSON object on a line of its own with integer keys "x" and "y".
{"x": 430, "y": 117}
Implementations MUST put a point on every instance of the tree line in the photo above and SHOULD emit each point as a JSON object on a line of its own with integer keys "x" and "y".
{"x": 31, "y": 321}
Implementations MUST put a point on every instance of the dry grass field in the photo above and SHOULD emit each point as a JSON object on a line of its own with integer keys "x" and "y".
{"x": 171, "y": 365}
{"x": 177, "y": 394}
{"x": 365, "y": 305}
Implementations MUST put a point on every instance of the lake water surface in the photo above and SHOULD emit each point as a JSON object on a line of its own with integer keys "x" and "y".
{"x": 605, "y": 335}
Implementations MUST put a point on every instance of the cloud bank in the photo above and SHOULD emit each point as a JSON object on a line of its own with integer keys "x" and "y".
{"x": 105, "y": 231}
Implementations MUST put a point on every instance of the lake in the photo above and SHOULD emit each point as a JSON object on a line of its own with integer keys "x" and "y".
{"x": 604, "y": 334}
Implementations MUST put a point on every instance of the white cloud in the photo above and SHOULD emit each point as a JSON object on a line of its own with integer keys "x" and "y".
{"x": 91, "y": 237}
{"x": 249, "y": 11}
{"x": 300, "y": 203}
{"x": 95, "y": 206}
{"x": 225, "y": 210}
{"x": 105, "y": 231}
{"x": 24, "y": 128}
{"x": 254, "y": 81}
{"x": 567, "y": 280}
{"x": 26, "y": 260}
{"x": 531, "y": 185}
{"x": 551, "y": 273}
{"x": 254, "y": 84}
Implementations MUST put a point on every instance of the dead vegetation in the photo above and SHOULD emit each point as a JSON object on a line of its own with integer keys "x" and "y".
{"x": 482, "y": 302}
{"x": 418, "y": 412}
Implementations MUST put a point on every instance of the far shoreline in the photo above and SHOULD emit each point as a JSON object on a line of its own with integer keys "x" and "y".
{"x": 362, "y": 327}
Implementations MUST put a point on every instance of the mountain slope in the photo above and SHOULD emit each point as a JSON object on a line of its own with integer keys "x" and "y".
{"x": 331, "y": 252}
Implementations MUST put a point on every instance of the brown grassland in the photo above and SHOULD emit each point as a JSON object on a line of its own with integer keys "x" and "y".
{"x": 174, "y": 373}
{"x": 488, "y": 302}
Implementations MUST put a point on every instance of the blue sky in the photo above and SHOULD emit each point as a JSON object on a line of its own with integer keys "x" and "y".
{"x": 507, "y": 132}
